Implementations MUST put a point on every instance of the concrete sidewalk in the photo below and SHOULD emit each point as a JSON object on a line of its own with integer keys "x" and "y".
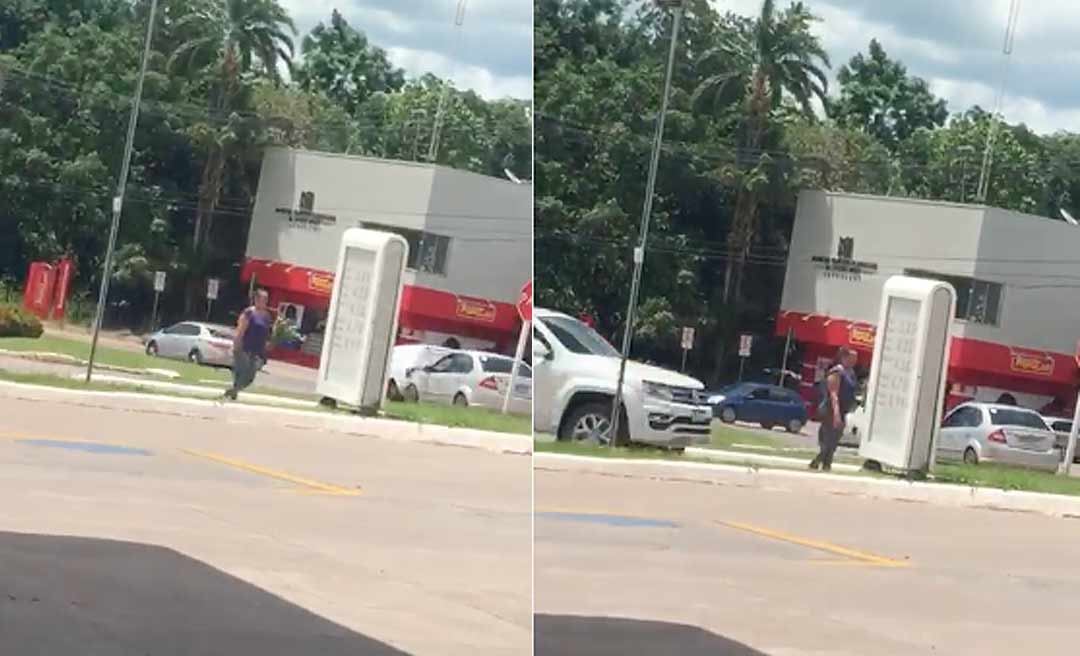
{"x": 763, "y": 459}
{"x": 807, "y": 482}
{"x": 238, "y": 413}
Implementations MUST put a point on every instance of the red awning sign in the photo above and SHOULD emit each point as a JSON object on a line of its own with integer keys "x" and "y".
{"x": 524, "y": 304}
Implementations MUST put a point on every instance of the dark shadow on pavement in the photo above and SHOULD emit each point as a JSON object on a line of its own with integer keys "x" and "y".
{"x": 87, "y": 597}
{"x": 559, "y": 635}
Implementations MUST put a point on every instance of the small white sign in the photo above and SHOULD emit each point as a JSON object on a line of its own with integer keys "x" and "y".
{"x": 159, "y": 281}
{"x": 688, "y": 338}
{"x": 212, "y": 288}
{"x": 746, "y": 344}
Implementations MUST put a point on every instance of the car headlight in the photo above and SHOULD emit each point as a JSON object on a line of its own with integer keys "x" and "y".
{"x": 657, "y": 390}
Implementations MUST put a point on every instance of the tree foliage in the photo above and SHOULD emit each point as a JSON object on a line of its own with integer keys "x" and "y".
{"x": 746, "y": 131}
{"x": 217, "y": 93}
{"x": 879, "y": 97}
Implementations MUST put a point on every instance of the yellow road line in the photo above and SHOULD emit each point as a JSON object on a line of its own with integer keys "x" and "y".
{"x": 325, "y": 488}
{"x": 852, "y": 554}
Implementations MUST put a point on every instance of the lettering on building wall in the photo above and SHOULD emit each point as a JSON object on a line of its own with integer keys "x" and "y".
{"x": 862, "y": 336}
{"x": 475, "y": 309}
{"x": 306, "y": 218}
{"x": 1031, "y": 363}
{"x": 322, "y": 283}
{"x": 844, "y": 266}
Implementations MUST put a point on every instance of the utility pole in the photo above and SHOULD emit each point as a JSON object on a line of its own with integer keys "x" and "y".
{"x": 121, "y": 189}
{"x": 646, "y": 215}
{"x": 440, "y": 114}
{"x": 991, "y": 134}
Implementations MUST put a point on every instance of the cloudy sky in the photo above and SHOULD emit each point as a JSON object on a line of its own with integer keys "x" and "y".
{"x": 956, "y": 46}
{"x": 493, "y": 55}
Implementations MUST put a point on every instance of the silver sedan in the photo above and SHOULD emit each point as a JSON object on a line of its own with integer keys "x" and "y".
{"x": 194, "y": 341}
{"x": 987, "y": 432}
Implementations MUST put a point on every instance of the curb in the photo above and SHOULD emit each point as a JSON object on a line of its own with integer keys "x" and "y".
{"x": 779, "y": 480}
{"x": 306, "y": 420}
{"x": 749, "y": 459}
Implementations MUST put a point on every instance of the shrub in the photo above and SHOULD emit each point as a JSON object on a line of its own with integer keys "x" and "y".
{"x": 14, "y": 322}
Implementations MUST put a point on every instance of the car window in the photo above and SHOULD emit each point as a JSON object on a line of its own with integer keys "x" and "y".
{"x": 185, "y": 329}
{"x": 497, "y": 365}
{"x": 221, "y": 334}
{"x": 1016, "y": 417}
{"x": 172, "y": 330}
{"x": 461, "y": 363}
{"x": 760, "y": 394}
{"x": 973, "y": 417}
{"x": 579, "y": 338}
{"x": 1063, "y": 426}
{"x": 443, "y": 365}
{"x": 965, "y": 417}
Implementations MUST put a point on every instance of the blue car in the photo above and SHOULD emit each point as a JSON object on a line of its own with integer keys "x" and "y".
{"x": 756, "y": 403}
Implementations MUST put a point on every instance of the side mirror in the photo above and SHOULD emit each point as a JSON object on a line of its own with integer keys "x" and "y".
{"x": 410, "y": 371}
{"x": 542, "y": 352}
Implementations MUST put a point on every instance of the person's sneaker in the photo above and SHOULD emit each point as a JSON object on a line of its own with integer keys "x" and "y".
{"x": 826, "y": 468}
{"x": 230, "y": 395}
{"x": 814, "y": 464}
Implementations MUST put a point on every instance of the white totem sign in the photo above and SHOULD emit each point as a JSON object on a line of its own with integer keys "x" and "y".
{"x": 363, "y": 320}
{"x": 905, "y": 398}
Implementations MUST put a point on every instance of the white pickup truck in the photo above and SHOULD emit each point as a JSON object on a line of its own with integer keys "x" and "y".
{"x": 574, "y": 376}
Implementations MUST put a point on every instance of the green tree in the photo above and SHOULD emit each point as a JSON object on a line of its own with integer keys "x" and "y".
{"x": 774, "y": 55}
{"x": 222, "y": 46}
{"x": 879, "y": 97}
{"x": 340, "y": 63}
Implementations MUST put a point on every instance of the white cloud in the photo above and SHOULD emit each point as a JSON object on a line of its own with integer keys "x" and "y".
{"x": 476, "y": 78}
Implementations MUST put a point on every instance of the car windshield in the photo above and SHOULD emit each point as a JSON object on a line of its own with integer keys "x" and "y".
{"x": 493, "y": 365}
{"x": 1021, "y": 418}
{"x": 579, "y": 338}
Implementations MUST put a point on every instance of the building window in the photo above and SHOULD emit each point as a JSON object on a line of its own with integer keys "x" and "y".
{"x": 977, "y": 301}
{"x": 428, "y": 252}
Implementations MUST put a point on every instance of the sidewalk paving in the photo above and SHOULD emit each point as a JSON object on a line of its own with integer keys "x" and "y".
{"x": 807, "y": 482}
{"x": 283, "y": 413}
{"x": 742, "y": 458}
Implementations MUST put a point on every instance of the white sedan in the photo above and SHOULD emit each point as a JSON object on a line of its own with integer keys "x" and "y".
{"x": 469, "y": 378}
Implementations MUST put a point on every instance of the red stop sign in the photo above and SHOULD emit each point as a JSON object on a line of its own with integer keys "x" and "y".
{"x": 524, "y": 304}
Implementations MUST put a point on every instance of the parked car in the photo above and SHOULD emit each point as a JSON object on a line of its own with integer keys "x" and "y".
{"x": 194, "y": 341}
{"x": 470, "y": 378}
{"x": 576, "y": 371}
{"x": 1063, "y": 430}
{"x": 989, "y": 432}
{"x": 855, "y": 427}
{"x": 404, "y": 357}
{"x": 756, "y": 403}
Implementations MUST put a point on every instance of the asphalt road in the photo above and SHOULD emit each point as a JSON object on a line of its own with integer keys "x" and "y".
{"x": 626, "y": 565}
{"x": 132, "y": 533}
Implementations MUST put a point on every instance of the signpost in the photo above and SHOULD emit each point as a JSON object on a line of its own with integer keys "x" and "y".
{"x": 746, "y": 345}
{"x": 687, "y": 343}
{"x": 363, "y": 319}
{"x": 159, "y": 286}
{"x": 906, "y": 392}
{"x": 524, "y": 308}
{"x": 787, "y": 351}
{"x": 212, "y": 287}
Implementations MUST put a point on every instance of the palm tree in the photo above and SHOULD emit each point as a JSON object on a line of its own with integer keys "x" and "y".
{"x": 228, "y": 41}
{"x": 774, "y": 57}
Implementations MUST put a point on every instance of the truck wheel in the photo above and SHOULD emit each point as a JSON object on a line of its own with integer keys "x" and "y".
{"x": 151, "y": 349}
{"x": 590, "y": 423}
{"x": 970, "y": 457}
{"x": 727, "y": 415}
{"x": 794, "y": 426}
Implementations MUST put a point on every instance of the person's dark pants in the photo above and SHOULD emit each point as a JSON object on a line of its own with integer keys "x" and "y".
{"x": 828, "y": 441}
{"x": 245, "y": 365}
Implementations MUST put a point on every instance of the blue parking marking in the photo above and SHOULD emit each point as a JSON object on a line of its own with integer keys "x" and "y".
{"x": 620, "y": 521}
{"x": 89, "y": 447}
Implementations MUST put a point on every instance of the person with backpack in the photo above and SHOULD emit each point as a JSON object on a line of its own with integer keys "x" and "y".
{"x": 249, "y": 346}
{"x": 837, "y": 400}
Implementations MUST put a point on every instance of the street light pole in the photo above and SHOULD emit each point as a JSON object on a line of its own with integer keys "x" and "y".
{"x": 121, "y": 188}
{"x": 646, "y": 214}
